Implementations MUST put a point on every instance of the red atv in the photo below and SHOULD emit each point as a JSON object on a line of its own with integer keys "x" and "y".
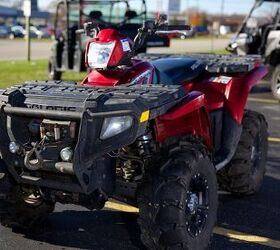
{"x": 156, "y": 133}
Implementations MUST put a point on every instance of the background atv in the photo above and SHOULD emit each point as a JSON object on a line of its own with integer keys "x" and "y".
{"x": 68, "y": 50}
{"x": 150, "y": 132}
{"x": 260, "y": 34}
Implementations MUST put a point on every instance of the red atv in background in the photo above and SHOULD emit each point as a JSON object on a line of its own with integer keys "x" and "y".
{"x": 159, "y": 132}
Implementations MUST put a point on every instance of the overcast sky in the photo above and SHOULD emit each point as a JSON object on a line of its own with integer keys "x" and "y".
{"x": 213, "y": 6}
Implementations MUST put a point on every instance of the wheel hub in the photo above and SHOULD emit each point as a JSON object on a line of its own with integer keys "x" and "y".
{"x": 197, "y": 205}
{"x": 192, "y": 202}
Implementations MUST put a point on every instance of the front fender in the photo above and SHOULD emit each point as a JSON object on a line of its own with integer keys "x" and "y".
{"x": 190, "y": 117}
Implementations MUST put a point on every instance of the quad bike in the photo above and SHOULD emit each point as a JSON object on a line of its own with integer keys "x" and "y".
{"x": 157, "y": 133}
{"x": 255, "y": 37}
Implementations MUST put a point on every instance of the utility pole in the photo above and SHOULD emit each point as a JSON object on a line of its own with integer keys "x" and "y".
{"x": 27, "y": 14}
{"x": 222, "y": 11}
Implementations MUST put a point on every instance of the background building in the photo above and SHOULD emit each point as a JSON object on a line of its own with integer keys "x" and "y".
{"x": 11, "y": 13}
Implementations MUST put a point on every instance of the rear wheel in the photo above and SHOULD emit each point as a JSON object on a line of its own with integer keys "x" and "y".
{"x": 53, "y": 73}
{"x": 178, "y": 201}
{"x": 17, "y": 208}
{"x": 244, "y": 174}
{"x": 275, "y": 83}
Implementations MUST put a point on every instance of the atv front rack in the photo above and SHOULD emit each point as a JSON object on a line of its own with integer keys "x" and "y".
{"x": 215, "y": 63}
{"x": 89, "y": 107}
{"x": 66, "y": 100}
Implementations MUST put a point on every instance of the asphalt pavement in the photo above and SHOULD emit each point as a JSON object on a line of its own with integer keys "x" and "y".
{"x": 250, "y": 223}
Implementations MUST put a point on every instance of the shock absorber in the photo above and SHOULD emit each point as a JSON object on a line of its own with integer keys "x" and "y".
{"x": 144, "y": 145}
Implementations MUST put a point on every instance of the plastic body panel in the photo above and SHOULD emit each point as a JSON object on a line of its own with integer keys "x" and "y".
{"x": 122, "y": 76}
{"x": 88, "y": 107}
{"x": 191, "y": 117}
{"x": 207, "y": 92}
{"x": 232, "y": 96}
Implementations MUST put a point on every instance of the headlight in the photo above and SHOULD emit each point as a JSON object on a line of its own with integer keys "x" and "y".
{"x": 99, "y": 54}
{"x": 115, "y": 125}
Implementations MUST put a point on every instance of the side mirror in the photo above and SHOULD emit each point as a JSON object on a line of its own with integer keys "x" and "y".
{"x": 91, "y": 29}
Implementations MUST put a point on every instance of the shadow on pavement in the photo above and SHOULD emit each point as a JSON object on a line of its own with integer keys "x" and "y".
{"x": 112, "y": 230}
{"x": 89, "y": 230}
{"x": 258, "y": 214}
{"x": 261, "y": 88}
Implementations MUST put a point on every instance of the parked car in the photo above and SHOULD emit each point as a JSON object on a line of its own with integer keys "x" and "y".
{"x": 4, "y": 31}
{"x": 16, "y": 31}
{"x": 35, "y": 32}
{"x": 46, "y": 32}
{"x": 189, "y": 33}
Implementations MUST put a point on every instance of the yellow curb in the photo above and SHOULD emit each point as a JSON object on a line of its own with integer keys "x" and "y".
{"x": 247, "y": 237}
{"x": 255, "y": 99}
{"x": 274, "y": 139}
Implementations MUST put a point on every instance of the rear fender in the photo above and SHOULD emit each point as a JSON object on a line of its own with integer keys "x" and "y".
{"x": 240, "y": 90}
{"x": 191, "y": 117}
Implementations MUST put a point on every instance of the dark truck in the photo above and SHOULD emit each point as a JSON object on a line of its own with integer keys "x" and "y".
{"x": 67, "y": 53}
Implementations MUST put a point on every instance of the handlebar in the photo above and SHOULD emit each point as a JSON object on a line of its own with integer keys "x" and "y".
{"x": 158, "y": 27}
{"x": 174, "y": 28}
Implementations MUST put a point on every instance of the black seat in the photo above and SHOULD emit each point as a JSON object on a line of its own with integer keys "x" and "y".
{"x": 172, "y": 71}
{"x": 95, "y": 15}
{"x": 130, "y": 14}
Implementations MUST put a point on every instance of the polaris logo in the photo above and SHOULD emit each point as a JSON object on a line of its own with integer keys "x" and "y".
{"x": 56, "y": 108}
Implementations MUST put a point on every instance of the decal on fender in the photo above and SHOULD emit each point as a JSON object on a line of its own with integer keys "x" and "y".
{"x": 125, "y": 45}
{"x": 221, "y": 79}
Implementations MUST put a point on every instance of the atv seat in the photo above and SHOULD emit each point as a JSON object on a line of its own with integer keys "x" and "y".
{"x": 175, "y": 71}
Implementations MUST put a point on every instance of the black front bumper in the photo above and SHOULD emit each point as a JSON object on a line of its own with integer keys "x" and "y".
{"x": 92, "y": 166}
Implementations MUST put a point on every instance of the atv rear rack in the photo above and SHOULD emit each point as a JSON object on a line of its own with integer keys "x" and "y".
{"x": 215, "y": 63}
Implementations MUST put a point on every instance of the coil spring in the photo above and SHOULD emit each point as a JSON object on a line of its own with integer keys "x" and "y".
{"x": 144, "y": 145}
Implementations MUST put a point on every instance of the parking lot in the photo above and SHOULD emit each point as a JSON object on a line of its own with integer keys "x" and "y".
{"x": 243, "y": 223}
{"x": 15, "y": 49}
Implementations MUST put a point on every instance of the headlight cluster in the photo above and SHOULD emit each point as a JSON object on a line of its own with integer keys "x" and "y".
{"x": 115, "y": 125}
{"x": 99, "y": 54}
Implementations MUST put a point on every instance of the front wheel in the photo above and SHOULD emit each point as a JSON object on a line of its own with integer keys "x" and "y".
{"x": 178, "y": 201}
{"x": 275, "y": 83}
{"x": 19, "y": 208}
